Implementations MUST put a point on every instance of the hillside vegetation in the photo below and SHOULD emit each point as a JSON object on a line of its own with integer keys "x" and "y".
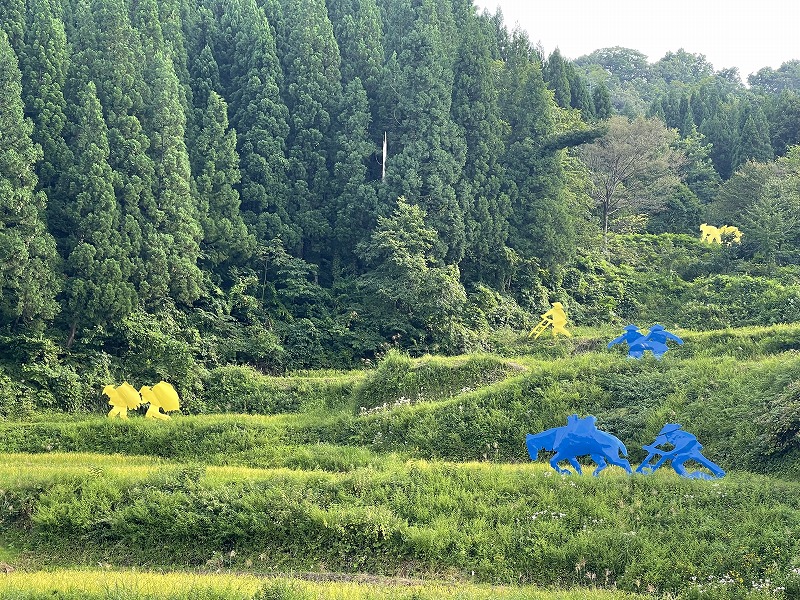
{"x": 417, "y": 469}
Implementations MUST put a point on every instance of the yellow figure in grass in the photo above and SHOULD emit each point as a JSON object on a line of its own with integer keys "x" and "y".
{"x": 710, "y": 234}
{"x": 713, "y": 235}
{"x": 122, "y": 398}
{"x": 161, "y": 395}
{"x": 732, "y": 232}
{"x": 555, "y": 317}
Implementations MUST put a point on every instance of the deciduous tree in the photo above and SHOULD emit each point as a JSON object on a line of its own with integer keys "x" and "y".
{"x": 629, "y": 165}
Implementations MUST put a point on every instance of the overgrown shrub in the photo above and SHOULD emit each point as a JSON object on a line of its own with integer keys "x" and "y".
{"x": 244, "y": 390}
{"x": 400, "y": 380}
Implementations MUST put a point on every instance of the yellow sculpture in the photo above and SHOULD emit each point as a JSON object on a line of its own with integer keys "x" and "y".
{"x": 555, "y": 317}
{"x": 713, "y": 235}
{"x": 710, "y": 234}
{"x": 122, "y": 398}
{"x": 161, "y": 395}
{"x": 733, "y": 232}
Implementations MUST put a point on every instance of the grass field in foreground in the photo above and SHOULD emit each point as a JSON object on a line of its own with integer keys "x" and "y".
{"x": 143, "y": 585}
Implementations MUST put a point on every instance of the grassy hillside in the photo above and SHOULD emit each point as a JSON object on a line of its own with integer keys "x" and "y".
{"x": 418, "y": 469}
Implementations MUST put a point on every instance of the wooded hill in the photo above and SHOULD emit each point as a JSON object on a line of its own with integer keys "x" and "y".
{"x": 202, "y": 183}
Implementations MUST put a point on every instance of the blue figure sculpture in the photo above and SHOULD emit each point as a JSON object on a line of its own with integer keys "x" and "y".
{"x": 632, "y": 337}
{"x": 656, "y": 340}
{"x": 638, "y": 343}
{"x": 580, "y": 437}
{"x": 684, "y": 447}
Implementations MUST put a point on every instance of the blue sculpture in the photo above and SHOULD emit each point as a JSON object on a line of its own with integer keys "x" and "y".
{"x": 684, "y": 447}
{"x": 638, "y": 343}
{"x": 580, "y": 437}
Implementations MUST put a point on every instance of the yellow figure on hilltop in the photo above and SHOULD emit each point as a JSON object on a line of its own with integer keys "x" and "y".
{"x": 122, "y": 398}
{"x": 733, "y": 232}
{"x": 713, "y": 235}
{"x": 161, "y": 395}
{"x": 710, "y": 234}
{"x": 555, "y": 317}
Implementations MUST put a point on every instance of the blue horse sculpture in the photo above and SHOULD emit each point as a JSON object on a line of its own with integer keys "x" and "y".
{"x": 579, "y": 437}
{"x": 684, "y": 447}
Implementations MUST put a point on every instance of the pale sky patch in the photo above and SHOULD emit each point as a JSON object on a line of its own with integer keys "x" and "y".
{"x": 746, "y": 34}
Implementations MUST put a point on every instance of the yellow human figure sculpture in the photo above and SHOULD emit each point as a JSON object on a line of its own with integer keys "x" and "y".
{"x": 710, "y": 234}
{"x": 122, "y": 398}
{"x": 732, "y": 232}
{"x": 555, "y": 317}
{"x": 713, "y": 235}
{"x": 161, "y": 395}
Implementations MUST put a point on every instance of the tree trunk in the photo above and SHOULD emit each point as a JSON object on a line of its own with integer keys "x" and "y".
{"x": 71, "y": 337}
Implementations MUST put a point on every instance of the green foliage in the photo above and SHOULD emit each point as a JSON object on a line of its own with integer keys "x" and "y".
{"x": 414, "y": 295}
{"x": 398, "y": 379}
{"x": 243, "y": 390}
{"x": 27, "y": 250}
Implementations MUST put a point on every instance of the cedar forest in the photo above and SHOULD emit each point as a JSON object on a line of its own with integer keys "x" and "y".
{"x": 193, "y": 183}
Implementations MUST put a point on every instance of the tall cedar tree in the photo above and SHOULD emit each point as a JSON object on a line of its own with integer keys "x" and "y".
{"x": 171, "y": 222}
{"x": 44, "y": 64}
{"x": 174, "y": 215}
{"x": 226, "y": 240}
{"x": 357, "y": 29}
{"x": 555, "y": 75}
{"x": 429, "y": 154}
{"x": 169, "y": 12}
{"x": 109, "y": 48}
{"x": 12, "y": 21}
{"x": 580, "y": 97}
{"x": 753, "y": 139}
{"x": 601, "y": 100}
{"x": 251, "y": 81}
{"x": 721, "y": 133}
{"x": 541, "y": 227}
{"x": 355, "y": 199}
{"x": 475, "y": 109}
{"x": 28, "y": 283}
{"x": 312, "y": 92}
{"x": 97, "y": 291}
{"x": 215, "y": 169}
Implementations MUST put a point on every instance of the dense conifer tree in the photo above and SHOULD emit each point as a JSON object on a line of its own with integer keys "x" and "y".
{"x": 753, "y": 140}
{"x": 555, "y": 74}
{"x": 429, "y": 152}
{"x": 44, "y": 64}
{"x": 540, "y": 224}
{"x": 721, "y": 133}
{"x": 97, "y": 289}
{"x": 27, "y": 250}
{"x": 784, "y": 119}
{"x": 173, "y": 215}
{"x": 475, "y": 109}
{"x": 601, "y": 100}
{"x": 354, "y": 198}
{"x": 226, "y": 240}
{"x": 357, "y": 29}
{"x": 580, "y": 97}
{"x": 685, "y": 123}
{"x": 698, "y": 172}
{"x": 312, "y": 93}
{"x": 251, "y": 80}
{"x": 110, "y": 51}
{"x": 12, "y": 21}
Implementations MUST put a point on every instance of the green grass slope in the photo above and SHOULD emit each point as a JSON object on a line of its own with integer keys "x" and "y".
{"x": 418, "y": 469}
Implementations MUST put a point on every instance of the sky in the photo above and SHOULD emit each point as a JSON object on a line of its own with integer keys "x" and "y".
{"x": 747, "y": 34}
